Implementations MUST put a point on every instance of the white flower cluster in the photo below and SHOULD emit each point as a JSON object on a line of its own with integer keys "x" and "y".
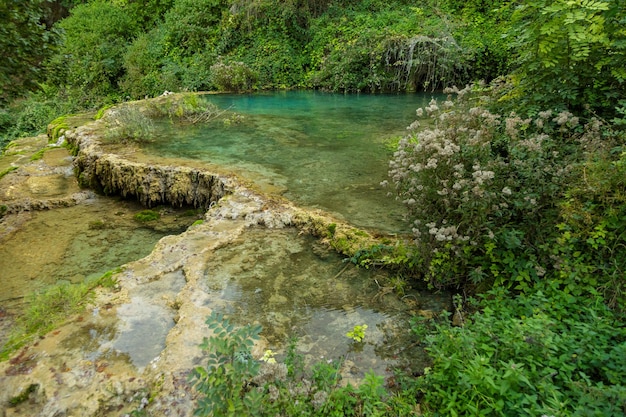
{"x": 445, "y": 233}
{"x": 432, "y": 107}
{"x": 534, "y": 143}
{"x": 566, "y": 119}
{"x": 432, "y": 175}
{"x": 467, "y": 172}
{"x": 514, "y": 125}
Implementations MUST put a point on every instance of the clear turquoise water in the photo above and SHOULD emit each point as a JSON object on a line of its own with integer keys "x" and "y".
{"x": 320, "y": 150}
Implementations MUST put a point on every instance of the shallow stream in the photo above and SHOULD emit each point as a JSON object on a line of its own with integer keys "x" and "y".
{"x": 289, "y": 284}
{"x": 295, "y": 287}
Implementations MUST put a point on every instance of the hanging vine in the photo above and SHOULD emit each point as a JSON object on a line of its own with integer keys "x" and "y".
{"x": 423, "y": 62}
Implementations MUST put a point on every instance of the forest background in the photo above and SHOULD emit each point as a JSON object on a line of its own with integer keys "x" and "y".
{"x": 516, "y": 186}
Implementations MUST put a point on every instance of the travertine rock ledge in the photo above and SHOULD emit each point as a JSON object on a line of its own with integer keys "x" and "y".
{"x": 71, "y": 372}
{"x": 151, "y": 183}
{"x": 123, "y": 169}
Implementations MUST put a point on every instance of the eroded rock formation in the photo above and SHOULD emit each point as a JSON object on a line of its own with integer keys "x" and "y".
{"x": 150, "y": 182}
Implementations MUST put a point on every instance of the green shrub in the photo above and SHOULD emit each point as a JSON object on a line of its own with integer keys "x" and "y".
{"x": 545, "y": 353}
{"x": 234, "y": 76}
{"x": 276, "y": 60}
{"x": 589, "y": 252}
{"x": 31, "y": 115}
{"x": 96, "y": 35}
{"x": 192, "y": 26}
{"x": 230, "y": 365}
{"x": 233, "y": 383}
{"x": 185, "y": 107}
{"x": 128, "y": 123}
{"x": 154, "y": 64}
{"x": 175, "y": 55}
{"x": 148, "y": 13}
{"x": 144, "y": 60}
{"x": 481, "y": 31}
{"x": 482, "y": 189}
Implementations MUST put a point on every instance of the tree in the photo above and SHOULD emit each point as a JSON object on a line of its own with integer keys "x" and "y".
{"x": 26, "y": 41}
{"x": 95, "y": 37}
{"x": 571, "y": 53}
{"x": 148, "y": 13}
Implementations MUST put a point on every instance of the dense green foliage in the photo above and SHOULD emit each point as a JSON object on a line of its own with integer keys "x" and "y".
{"x": 107, "y": 51}
{"x": 539, "y": 354}
{"x": 519, "y": 186}
{"x": 95, "y": 37}
{"x": 23, "y": 33}
{"x": 572, "y": 54}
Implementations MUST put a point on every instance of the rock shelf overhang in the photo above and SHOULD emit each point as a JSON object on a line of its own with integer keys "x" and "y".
{"x": 123, "y": 169}
{"x": 150, "y": 183}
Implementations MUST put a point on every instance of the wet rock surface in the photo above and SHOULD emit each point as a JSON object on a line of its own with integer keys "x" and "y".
{"x": 142, "y": 341}
{"x": 43, "y": 183}
{"x": 60, "y": 232}
{"x": 127, "y": 343}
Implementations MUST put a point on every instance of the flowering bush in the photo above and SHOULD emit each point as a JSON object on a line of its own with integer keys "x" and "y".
{"x": 482, "y": 189}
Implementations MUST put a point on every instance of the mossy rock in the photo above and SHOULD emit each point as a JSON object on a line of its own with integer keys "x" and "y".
{"x": 60, "y": 125}
{"x": 56, "y": 129}
{"x": 147, "y": 216}
{"x": 100, "y": 113}
{"x": 38, "y": 155}
{"x": 24, "y": 395}
{"x": 8, "y": 170}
